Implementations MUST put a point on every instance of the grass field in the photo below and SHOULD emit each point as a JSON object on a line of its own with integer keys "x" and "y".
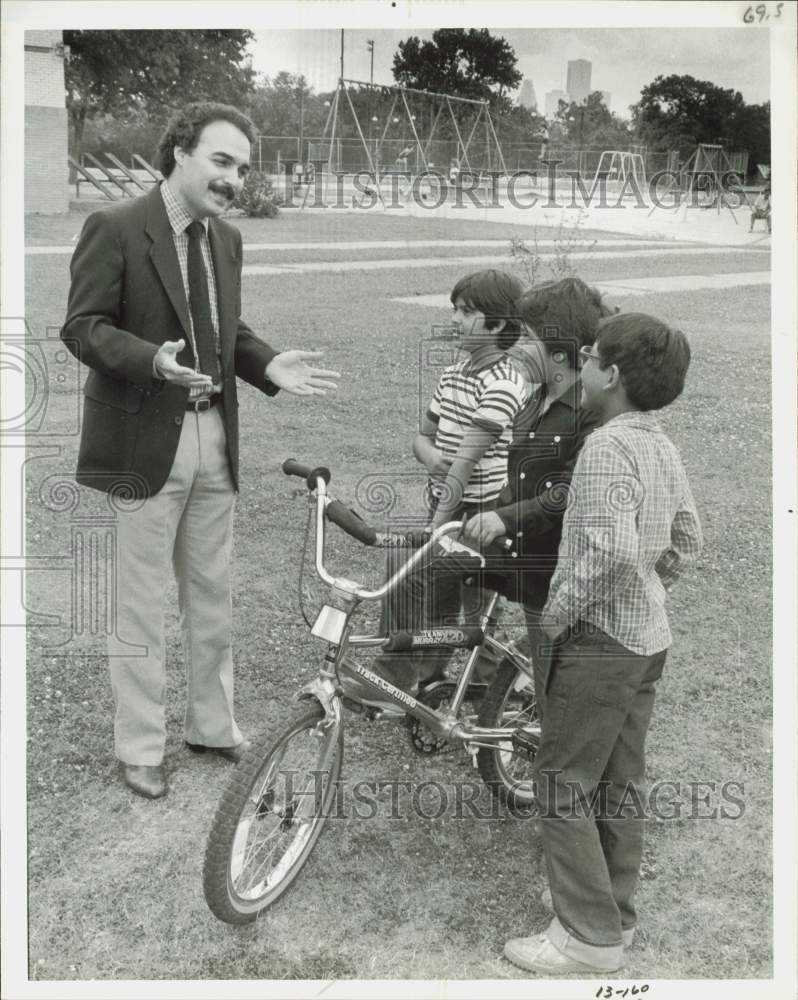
{"x": 114, "y": 881}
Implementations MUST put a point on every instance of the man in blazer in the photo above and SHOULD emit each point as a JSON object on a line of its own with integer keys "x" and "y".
{"x": 154, "y": 311}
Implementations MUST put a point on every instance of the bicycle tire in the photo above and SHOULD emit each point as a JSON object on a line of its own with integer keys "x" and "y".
{"x": 507, "y": 769}
{"x": 269, "y": 790}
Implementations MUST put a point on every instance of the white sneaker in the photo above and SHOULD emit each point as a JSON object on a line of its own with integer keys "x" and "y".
{"x": 538, "y": 954}
{"x": 546, "y": 900}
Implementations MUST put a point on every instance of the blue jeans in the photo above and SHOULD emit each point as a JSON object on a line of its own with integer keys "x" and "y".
{"x": 590, "y": 770}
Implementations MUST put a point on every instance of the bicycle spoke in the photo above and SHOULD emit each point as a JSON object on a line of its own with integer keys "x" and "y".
{"x": 269, "y": 841}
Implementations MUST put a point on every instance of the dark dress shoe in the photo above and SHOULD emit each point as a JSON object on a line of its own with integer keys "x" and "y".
{"x": 144, "y": 779}
{"x": 229, "y": 753}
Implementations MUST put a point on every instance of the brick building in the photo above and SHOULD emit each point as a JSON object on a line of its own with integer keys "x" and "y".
{"x": 46, "y": 173}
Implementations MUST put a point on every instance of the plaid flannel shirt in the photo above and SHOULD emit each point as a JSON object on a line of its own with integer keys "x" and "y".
{"x": 630, "y": 529}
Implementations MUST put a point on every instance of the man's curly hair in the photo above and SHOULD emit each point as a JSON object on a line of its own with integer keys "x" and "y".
{"x": 185, "y": 128}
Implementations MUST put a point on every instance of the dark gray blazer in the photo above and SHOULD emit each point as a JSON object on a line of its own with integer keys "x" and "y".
{"x": 126, "y": 298}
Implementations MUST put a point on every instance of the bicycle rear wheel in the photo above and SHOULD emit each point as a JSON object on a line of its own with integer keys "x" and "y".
{"x": 271, "y": 815}
{"x": 507, "y": 769}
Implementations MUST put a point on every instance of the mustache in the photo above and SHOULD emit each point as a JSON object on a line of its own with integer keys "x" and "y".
{"x": 223, "y": 189}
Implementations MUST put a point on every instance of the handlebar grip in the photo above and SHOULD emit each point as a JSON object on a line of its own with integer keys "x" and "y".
{"x": 415, "y": 539}
{"x": 351, "y": 523}
{"x": 293, "y": 468}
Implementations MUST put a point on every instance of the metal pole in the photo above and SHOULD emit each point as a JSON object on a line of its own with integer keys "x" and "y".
{"x": 342, "y": 53}
{"x": 334, "y": 115}
{"x": 301, "y": 156}
{"x": 415, "y": 133}
{"x": 368, "y": 154}
{"x": 370, "y": 47}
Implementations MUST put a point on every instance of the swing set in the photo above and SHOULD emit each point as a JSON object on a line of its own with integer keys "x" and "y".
{"x": 704, "y": 172}
{"x": 619, "y": 167}
{"x": 413, "y": 133}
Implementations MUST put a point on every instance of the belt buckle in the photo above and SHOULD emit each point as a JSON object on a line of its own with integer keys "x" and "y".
{"x": 203, "y": 404}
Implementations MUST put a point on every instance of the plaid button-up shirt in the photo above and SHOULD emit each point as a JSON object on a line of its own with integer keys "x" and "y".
{"x": 630, "y": 529}
{"x": 179, "y": 220}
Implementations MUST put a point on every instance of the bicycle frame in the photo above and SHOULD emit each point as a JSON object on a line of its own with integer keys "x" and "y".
{"x": 333, "y": 624}
{"x": 275, "y": 805}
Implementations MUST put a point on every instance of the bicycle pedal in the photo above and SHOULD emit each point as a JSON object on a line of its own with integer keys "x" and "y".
{"x": 527, "y": 743}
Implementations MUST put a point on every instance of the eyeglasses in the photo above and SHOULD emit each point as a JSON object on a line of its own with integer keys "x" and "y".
{"x": 586, "y": 352}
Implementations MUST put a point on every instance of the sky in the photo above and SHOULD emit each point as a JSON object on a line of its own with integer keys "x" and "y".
{"x": 624, "y": 60}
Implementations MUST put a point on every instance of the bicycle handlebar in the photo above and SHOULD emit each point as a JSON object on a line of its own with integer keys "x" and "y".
{"x": 354, "y": 525}
{"x": 351, "y": 523}
{"x": 293, "y": 468}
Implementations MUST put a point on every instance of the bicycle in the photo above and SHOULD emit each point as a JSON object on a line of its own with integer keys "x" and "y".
{"x": 279, "y": 796}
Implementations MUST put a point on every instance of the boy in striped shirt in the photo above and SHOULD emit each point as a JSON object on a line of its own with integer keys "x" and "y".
{"x": 468, "y": 427}
{"x": 463, "y": 443}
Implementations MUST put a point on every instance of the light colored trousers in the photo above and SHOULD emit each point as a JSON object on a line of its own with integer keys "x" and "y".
{"x": 187, "y": 525}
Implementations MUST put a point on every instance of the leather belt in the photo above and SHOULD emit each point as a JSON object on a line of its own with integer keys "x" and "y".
{"x": 204, "y": 403}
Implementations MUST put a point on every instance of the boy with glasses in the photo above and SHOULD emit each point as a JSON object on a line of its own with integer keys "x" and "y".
{"x": 629, "y": 530}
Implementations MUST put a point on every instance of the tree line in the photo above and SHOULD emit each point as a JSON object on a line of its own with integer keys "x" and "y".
{"x": 122, "y": 86}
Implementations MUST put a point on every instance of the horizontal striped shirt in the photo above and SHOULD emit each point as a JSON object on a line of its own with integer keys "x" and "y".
{"x": 180, "y": 220}
{"x": 490, "y": 397}
{"x": 629, "y": 530}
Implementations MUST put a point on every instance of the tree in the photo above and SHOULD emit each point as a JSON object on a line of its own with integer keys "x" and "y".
{"x": 472, "y": 64}
{"x": 276, "y": 105}
{"x": 521, "y": 133}
{"x": 750, "y": 130}
{"x": 591, "y": 124}
{"x": 130, "y": 73}
{"x": 529, "y": 125}
{"x": 678, "y": 112}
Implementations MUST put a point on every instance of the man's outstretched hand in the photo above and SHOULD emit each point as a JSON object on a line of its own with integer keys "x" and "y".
{"x": 291, "y": 371}
{"x": 169, "y": 369}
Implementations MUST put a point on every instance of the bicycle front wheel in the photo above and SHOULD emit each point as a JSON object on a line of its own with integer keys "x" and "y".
{"x": 271, "y": 815}
{"x": 507, "y": 769}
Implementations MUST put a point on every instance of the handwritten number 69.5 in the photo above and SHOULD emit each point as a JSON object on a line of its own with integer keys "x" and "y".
{"x": 761, "y": 12}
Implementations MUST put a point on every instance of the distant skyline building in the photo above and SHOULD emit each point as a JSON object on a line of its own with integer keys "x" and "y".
{"x": 606, "y": 97}
{"x": 553, "y": 98}
{"x": 527, "y": 97}
{"x": 578, "y": 79}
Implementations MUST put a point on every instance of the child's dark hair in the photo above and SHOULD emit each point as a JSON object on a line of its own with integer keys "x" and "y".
{"x": 185, "y": 127}
{"x": 493, "y": 293}
{"x": 564, "y": 315}
{"x": 652, "y": 358}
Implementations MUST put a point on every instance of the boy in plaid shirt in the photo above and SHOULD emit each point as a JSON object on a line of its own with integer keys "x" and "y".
{"x": 629, "y": 531}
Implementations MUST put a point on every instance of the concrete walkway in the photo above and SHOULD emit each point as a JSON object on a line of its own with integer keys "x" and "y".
{"x": 619, "y": 287}
{"x": 692, "y": 225}
{"x": 336, "y": 245}
{"x": 589, "y": 256}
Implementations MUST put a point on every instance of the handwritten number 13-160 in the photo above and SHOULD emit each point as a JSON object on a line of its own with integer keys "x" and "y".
{"x": 605, "y": 992}
{"x": 761, "y": 12}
